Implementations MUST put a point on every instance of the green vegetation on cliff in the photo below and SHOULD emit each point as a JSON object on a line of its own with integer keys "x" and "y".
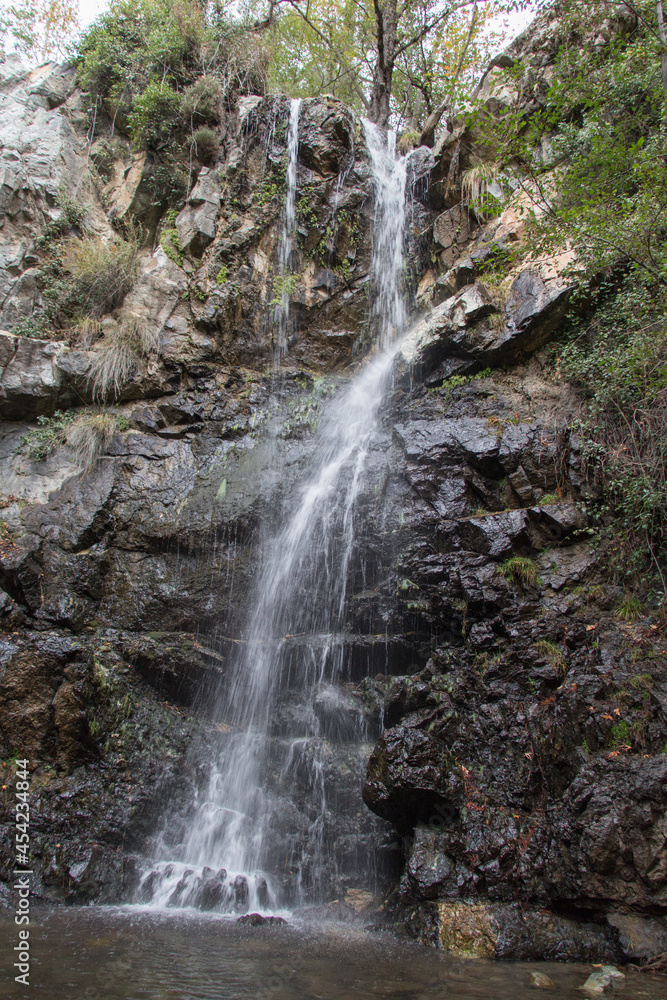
{"x": 591, "y": 157}
{"x": 162, "y": 69}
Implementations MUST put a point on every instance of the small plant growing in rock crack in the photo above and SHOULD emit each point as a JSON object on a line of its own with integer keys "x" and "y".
{"x": 85, "y": 331}
{"x": 519, "y": 569}
{"x": 620, "y": 734}
{"x": 456, "y": 381}
{"x": 40, "y": 441}
{"x": 88, "y": 433}
{"x": 552, "y": 653}
{"x": 630, "y": 609}
{"x": 71, "y": 216}
{"x": 119, "y": 356}
{"x": 169, "y": 240}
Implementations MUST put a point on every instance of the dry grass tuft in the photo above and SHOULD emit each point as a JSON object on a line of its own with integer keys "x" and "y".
{"x": 103, "y": 272}
{"x": 90, "y": 435}
{"x": 85, "y": 331}
{"x": 119, "y": 356}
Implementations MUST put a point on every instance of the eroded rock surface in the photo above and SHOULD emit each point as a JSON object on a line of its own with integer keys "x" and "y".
{"x": 515, "y": 725}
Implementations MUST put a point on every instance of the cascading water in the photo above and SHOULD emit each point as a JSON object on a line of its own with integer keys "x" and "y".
{"x": 289, "y": 229}
{"x": 247, "y": 845}
{"x": 389, "y": 176}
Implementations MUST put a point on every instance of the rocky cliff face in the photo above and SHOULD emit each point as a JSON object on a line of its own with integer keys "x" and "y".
{"x": 519, "y": 775}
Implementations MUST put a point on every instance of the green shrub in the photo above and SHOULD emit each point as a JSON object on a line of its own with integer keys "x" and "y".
{"x": 35, "y": 326}
{"x": 102, "y": 272}
{"x": 206, "y": 144}
{"x": 617, "y": 359}
{"x": 119, "y": 355}
{"x": 154, "y": 115}
{"x": 200, "y": 103}
{"x": 161, "y": 68}
{"x": 519, "y": 569}
{"x": 40, "y": 441}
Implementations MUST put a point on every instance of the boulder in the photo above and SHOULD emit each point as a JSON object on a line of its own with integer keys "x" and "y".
{"x": 511, "y": 931}
{"x": 407, "y": 778}
{"x": 470, "y": 331}
{"x": 452, "y": 231}
{"x": 326, "y": 135}
{"x": 196, "y": 222}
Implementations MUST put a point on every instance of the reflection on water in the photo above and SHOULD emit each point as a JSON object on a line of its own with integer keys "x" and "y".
{"x": 98, "y": 953}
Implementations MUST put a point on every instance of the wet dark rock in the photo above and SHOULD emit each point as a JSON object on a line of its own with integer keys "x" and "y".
{"x": 213, "y": 892}
{"x": 491, "y": 930}
{"x": 407, "y": 777}
{"x": 257, "y": 920}
{"x": 326, "y": 135}
{"x": 241, "y": 893}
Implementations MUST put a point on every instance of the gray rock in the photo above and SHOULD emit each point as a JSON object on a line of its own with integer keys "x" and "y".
{"x": 196, "y": 223}
{"x": 326, "y": 135}
{"x": 458, "y": 329}
{"x": 451, "y": 232}
{"x": 535, "y": 305}
{"x": 597, "y": 983}
{"x": 541, "y": 981}
{"x": 640, "y": 936}
{"x": 30, "y": 381}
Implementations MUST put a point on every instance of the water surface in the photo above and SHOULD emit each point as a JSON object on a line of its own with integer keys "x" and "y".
{"x": 98, "y": 953}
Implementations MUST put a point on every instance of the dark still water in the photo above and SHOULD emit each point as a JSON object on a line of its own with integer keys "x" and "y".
{"x": 98, "y": 953}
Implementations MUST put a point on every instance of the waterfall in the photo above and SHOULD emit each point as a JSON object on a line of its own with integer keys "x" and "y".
{"x": 389, "y": 312}
{"x": 281, "y": 285}
{"x": 248, "y": 844}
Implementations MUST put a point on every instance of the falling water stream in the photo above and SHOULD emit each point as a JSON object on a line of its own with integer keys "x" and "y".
{"x": 289, "y": 228}
{"x": 242, "y": 849}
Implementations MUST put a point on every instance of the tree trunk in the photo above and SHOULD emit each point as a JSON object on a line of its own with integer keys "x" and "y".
{"x": 385, "y": 23}
{"x": 663, "y": 49}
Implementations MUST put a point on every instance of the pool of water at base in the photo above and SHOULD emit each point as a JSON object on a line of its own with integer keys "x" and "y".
{"x": 100, "y": 953}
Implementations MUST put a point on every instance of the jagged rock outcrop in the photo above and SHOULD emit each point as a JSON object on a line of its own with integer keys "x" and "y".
{"x": 519, "y": 779}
